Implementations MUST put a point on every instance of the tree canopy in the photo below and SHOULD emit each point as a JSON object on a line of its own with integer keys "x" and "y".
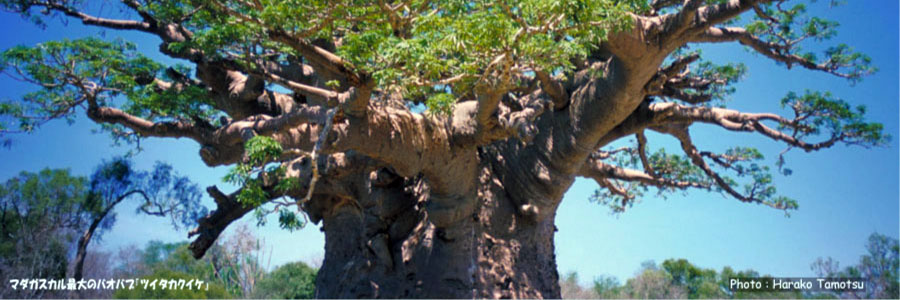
{"x": 439, "y": 54}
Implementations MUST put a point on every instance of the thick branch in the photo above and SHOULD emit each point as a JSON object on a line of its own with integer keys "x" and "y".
{"x": 333, "y": 169}
{"x": 711, "y": 15}
{"x": 147, "y": 128}
{"x": 554, "y": 88}
{"x": 318, "y": 56}
{"x": 97, "y": 21}
{"x": 211, "y": 226}
{"x": 737, "y": 121}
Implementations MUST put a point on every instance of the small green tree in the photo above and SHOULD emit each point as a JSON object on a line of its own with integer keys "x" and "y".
{"x": 699, "y": 283}
{"x": 294, "y": 280}
{"x": 651, "y": 282}
{"x": 607, "y": 287}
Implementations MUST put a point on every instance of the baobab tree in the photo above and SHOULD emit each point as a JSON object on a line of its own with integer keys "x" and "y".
{"x": 433, "y": 140}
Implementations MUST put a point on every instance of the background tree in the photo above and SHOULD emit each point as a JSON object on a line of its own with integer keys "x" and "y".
{"x": 215, "y": 290}
{"x": 699, "y": 283}
{"x": 40, "y": 214}
{"x": 161, "y": 191}
{"x": 607, "y": 287}
{"x": 679, "y": 279}
{"x": 571, "y": 289}
{"x": 434, "y": 139}
{"x": 294, "y": 280}
{"x": 233, "y": 264}
{"x": 879, "y": 267}
{"x": 651, "y": 282}
{"x": 46, "y": 215}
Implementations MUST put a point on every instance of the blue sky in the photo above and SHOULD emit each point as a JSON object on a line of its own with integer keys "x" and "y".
{"x": 845, "y": 193}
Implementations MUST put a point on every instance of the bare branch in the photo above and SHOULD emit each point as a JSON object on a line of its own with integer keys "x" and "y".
{"x": 642, "y": 152}
{"x": 774, "y": 51}
{"x": 681, "y": 133}
{"x": 600, "y": 171}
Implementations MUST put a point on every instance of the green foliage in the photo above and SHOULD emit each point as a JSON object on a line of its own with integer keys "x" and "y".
{"x": 41, "y": 215}
{"x": 788, "y": 27}
{"x": 679, "y": 278}
{"x": 259, "y": 150}
{"x": 743, "y": 162}
{"x": 232, "y": 265}
{"x": 652, "y": 283}
{"x": 159, "y": 260}
{"x": 290, "y": 281}
{"x": 440, "y": 104}
{"x": 158, "y": 256}
{"x": 412, "y": 47}
{"x": 49, "y": 205}
{"x": 668, "y": 166}
{"x": 289, "y": 220}
{"x": 607, "y": 287}
{"x": 181, "y": 103}
{"x": 262, "y": 149}
{"x": 722, "y": 77}
{"x": 74, "y": 73}
{"x": 699, "y": 283}
{"x": 824, "y": 114}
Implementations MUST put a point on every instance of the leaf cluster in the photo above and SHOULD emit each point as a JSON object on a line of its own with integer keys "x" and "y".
{"x": 90, "y": 71}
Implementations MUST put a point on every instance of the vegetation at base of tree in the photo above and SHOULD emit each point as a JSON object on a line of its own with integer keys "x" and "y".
{"x": 229, "y": 265}
{"x": 294, "y": 280}
{"x": 679, "y": 278}
{"x": 207, "y": 291}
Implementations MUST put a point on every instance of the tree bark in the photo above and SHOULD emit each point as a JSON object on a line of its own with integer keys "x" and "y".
{"x": 384, "y": 244}
{"x": 81, "y": 250}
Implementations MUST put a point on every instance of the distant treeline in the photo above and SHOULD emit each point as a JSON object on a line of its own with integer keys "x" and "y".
{"x": 679, "y": 278}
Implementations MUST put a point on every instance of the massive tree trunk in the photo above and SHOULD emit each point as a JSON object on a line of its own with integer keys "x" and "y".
{"x": 384, "y": 244}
